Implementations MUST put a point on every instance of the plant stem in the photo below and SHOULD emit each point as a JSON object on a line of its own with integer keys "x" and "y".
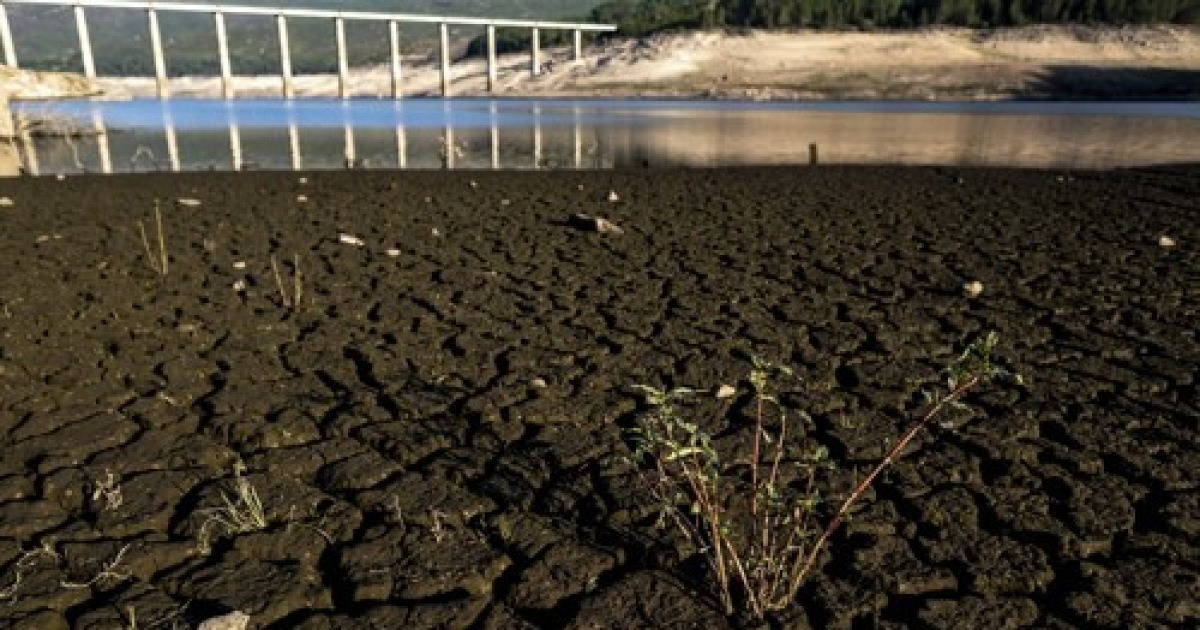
{"x": 892, "y": 455}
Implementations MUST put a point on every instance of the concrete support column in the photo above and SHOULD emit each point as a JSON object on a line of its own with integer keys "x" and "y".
{"x": 85, "y": 43}
{"x": 223, "y": 54}
{"x": 491, "y": 57}
{"x": 343, "y": 65}
{"x": 160, "y": 60}
{"x": 285, "y": 57}
{"x": 444, "y": 31}
{"x": 6, "y": 39}
{"x": 577, "y": 50}
{"x": 535, "y": 57}
{"x": 397, "y": 70}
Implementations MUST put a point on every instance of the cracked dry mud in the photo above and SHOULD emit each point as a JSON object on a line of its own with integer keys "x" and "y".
{"x": 436, "y": 436}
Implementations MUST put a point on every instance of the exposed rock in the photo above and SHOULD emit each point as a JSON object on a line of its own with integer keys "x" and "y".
{"x": 595, "y": 224}
{"x": 235, "y": 620}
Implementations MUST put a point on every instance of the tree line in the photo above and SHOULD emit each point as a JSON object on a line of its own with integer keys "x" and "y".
{"x": 639, "y": 17}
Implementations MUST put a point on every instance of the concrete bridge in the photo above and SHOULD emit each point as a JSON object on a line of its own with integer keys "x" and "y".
{"x": 281, "y": 15}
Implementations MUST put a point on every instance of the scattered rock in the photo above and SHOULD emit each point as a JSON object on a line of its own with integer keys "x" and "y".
{"x": 239, "y": 286}
{"x": 595, "y": 224}
{"x": 537, "y": 383}
{"x": 436, "y": 232}
{"x": 301, "y": 199}
{"x": 474, "y": 184}
{"x": 350, "y": 239}
{"x": 235, "y": 620}
{"x": 239, "y": 264}
{"x": 726, "y": 391}
{"x": 1164, "y": 241}
{"x": 6, "y": 202}
{"x": 393, "y": 252}
{"x": 972, "y": 289}
{"x": 504, "y": 202}
{"x": 188, "y": 202}
{"x": 613, "y": 197}
{"x": 303, "y": 180}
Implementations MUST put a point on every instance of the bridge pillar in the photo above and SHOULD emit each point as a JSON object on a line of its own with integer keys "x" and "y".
{"x": 394, "y": 38}
{"x": 491, "y": 57}
{"x": 343, "y": 64}
{"x": 223, "y": 54}
{"x": 85, "y": 43}
{"x": 444, "y": 31}
{"x": 535, "y": 57}
{"x": 6, "y": 38}
{"x": 577, "y": 51}
{"x": 160, "y": 60}
{"x": 285, "y": 57}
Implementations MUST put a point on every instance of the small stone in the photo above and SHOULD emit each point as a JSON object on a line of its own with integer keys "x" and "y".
{"x": 393, "y": 252}
{"x": 474, "y": 184}
{"x": 188, "y": 202}
{"x": 350, "y": 239}
{"x": 303, "y": 180}
{"x": 43, "y": 238}
{"x": 236, "y": 620}
{"x": 60, "y": 177}
{"x": 301, "y": 198}
{"x": 538, "y": 383}
{"x": 429, "y": 200}
{"x": 596, "y": 224}
{"x": 239, "y": 264}
{"x": 1166, "y": 242}
{"x": 239, "y": 286}
{"x": 6, "y": 202}
{"x": 726, "y": 391}
{"x": 436, "y": 232}
{"x": 973, "y": 288}
{"x": 504, "y": 202}
{"x": 579, "y": 187}
{"x": 613, "y": 197}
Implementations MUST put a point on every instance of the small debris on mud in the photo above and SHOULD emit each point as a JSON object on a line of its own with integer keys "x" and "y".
{"x": 973, "y": 288}
{"x": 595, "y": 224}
{"x": 1166, "y": 242}
{"x": 350, "y": 239}
{"x": 188, "y": 202}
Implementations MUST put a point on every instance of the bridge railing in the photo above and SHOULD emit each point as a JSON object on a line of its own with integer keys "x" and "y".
{"x": 281, "y": 16}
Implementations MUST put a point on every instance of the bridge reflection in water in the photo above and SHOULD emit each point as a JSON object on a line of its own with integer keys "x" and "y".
{"x": 509, "y": 134}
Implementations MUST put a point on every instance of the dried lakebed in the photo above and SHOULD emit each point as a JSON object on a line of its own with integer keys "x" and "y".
{"x": 435, "y": 433}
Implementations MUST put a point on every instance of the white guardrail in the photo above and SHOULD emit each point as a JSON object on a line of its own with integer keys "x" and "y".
{"x": 281, "y": 16}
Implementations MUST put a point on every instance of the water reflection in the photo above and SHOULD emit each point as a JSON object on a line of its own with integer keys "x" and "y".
{"x": 478, "y": 134}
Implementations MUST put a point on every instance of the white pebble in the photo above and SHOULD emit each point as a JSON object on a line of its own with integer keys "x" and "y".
{"x": 236, "y": 620}
{"x": 301, "y": 198}
{"x": 1166, "y": 242}
{"x": 188, "y": 202}
{"x": 303, "y": 180}
{"x": 239, "y": 286}
{"x": 60, "y": 177}
{"x": 350, "y": 239}
{"x": 973, "y": 288}
{"x": 436, "y": 232}
{"x": 613, "y": 197}
{"x": 6, "y": 202}
{"x": 726, "y": 391}
{"x": 538, "y": 383}
{"x": 393, "y": 252}
{"x": 239, "y": 264}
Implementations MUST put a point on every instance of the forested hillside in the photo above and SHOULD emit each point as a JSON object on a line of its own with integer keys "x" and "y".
{"x": 643, "y": 16}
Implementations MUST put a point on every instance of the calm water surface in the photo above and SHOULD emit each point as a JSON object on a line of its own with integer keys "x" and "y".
{"x": 146, "y": 135}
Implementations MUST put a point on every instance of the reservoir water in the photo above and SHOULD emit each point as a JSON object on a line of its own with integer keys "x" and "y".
{"x": 150, "y": 135}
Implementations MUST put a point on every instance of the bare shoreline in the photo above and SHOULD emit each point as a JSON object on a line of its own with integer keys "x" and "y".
{"x": 1032, "y": 63}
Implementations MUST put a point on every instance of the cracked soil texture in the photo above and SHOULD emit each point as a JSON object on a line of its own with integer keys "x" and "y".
{"x": 436, "y": 436}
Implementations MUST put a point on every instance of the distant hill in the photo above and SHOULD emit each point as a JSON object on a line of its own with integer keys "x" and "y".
{"x": 46, "y": 40}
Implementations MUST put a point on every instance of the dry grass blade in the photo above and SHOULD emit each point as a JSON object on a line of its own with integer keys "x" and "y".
{"x": 291, "y": 301}
{"x": 157, "y": 260}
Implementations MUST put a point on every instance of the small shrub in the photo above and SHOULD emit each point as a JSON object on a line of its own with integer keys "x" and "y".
{"x": 242, "y": 510}
{"x": 756, "y": 524}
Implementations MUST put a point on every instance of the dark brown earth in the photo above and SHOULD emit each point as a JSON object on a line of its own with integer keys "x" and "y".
{"x": 415, "y": 473}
